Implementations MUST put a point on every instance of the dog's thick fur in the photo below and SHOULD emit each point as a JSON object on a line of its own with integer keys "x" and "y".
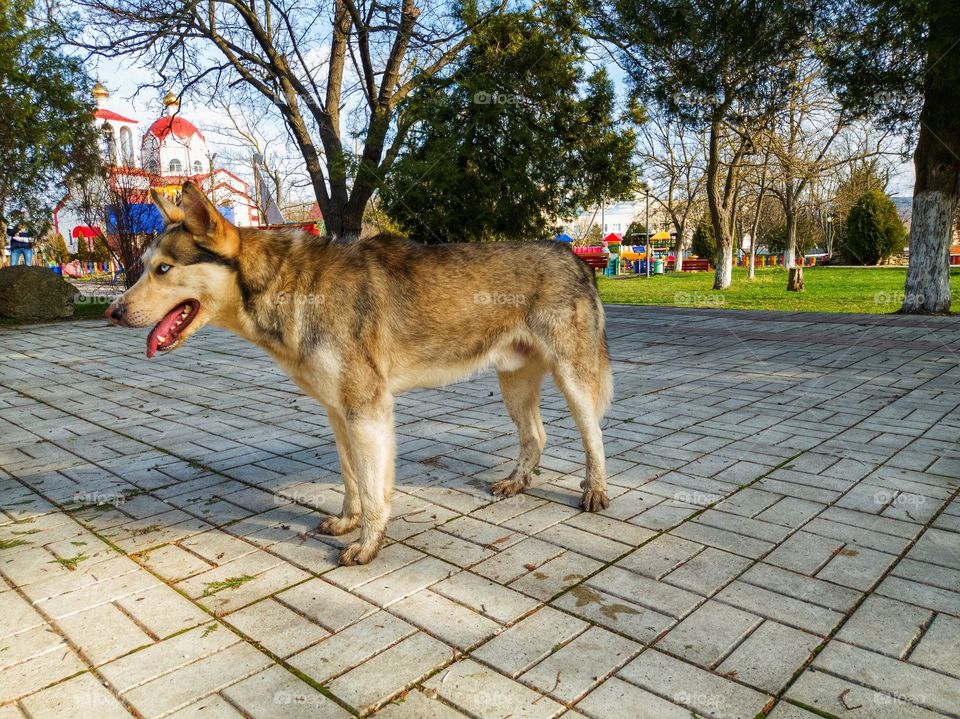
{"x": 355, "y": 324}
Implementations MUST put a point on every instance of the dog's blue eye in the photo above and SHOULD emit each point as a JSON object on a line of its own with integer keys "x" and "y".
{"x": 163, "y": 269}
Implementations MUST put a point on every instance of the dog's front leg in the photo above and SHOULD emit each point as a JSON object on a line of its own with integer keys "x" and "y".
{"x": 372, "y": 451}
{"x": 349, "y": 517}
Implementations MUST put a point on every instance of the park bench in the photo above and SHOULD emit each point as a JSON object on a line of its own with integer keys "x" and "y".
{"x": 692, "y": 265}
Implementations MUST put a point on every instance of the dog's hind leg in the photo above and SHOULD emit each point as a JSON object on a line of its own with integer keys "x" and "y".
{"x": 584, "y": 392}
{"x": 349, "y": 518}
{"x": 521, "y": 394}
{"x": 373, "y": 452}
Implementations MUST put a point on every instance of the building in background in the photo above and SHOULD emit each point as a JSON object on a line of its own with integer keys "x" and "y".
{"x": 163, "y": 157}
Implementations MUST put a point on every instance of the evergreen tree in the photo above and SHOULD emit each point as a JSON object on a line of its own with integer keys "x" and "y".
{"x": 704, "y": 241}
{"x": 874, "y": 230}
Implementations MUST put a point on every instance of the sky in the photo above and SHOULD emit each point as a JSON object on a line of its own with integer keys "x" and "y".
{"x": 122, "y": 78}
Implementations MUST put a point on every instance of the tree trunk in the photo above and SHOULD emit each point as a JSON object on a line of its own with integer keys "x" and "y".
{"x": 678, "y": 251}
{"x": 937, "y": 166}
{"x": 723, "y": 273}
{"x": 795, "y": 281}
{"x": 789, "y": 212}
{"x": 752, "y": 273}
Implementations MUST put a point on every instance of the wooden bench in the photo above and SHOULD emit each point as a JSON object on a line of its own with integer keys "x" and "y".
{"x": 692, "y": 265}
{"x": 596, "y": 260}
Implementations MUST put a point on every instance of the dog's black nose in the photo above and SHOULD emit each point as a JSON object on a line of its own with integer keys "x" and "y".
{"x": 116, "y": 312}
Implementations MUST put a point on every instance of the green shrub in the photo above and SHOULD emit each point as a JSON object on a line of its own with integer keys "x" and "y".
{"x": 704, "y": 242}
{"x": 874, "y": 231}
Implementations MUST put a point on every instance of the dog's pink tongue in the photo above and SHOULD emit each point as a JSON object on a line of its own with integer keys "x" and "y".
{"x": 161, "y": 329}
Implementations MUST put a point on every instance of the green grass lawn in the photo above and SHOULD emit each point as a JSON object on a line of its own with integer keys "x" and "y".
{"x": 828, "y": 289}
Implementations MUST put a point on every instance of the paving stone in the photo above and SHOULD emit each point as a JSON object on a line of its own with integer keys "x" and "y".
{"x": 517, "y": 560}
{"x": 804, "y": 552}
{"x": 885, "y": 626}
{"x": 450, "y": 548}
{"x": 723, "y": 539}
{"x": 577, "y": 540}
{"x": 619, "y": 615}
{"x": 327, "y": 605}
{"x": 692, "y": 687}
{"x": 558, "y": 574}
{"x": 405, "y": 581}
{"x": 486, "y": 597}
{"x": 706, "y": 572}
{"x": 663, "y": 597}
{"x": 924, "y": 595}
{"x": 417, "y": 705}
{"x": 709, "y": 633}
{"x": 275, "y": 692}
{"x": 896, "y": 678}
{"x": 479, "y": 691}
{"x": 660, "y": 556}
{"x": 164, "y": 657}
{"x": 529, "y": 640}
{"x": 350, "y": 647}
{"x": 387, "y": 674}
{"x": 617, "y": 699}
{"x": 277, "y": 628}
{"x": 445, "y": 619}
{"x": 857, "y": 567}
{"x": 210, "y": 707}
{"x": 182, "y": 686}
{"x": 103, "y": 633}
{"x": 78, "y": 697}
{"x": 174, "y": 563}
{"x": 939, "y": 648}
{"x": 574, "y": 669}
{"x": 823, "y": 691}
{"x": 769, "y": 657}
{"x": 779, "y": 607}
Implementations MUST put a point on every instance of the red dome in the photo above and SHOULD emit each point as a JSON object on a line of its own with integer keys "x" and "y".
{"x": 181, "y": 128}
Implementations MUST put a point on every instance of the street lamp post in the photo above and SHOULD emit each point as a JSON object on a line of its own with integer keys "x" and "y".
{"x": 646, "y": 223}
{"x": 830, "y": 237}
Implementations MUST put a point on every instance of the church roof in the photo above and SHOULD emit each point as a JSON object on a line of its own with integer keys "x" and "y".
{"x": 182, "y": 129}
{"x": 102, "y": 114}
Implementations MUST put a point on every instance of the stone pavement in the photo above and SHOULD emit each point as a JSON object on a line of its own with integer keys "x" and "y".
{"x": 783, "y": 541}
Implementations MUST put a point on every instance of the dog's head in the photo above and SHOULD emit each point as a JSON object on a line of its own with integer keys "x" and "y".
{"x": 189, "y": 273}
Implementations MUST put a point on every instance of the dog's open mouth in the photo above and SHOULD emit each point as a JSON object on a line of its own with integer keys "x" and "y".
{"x": 166, "y": 333}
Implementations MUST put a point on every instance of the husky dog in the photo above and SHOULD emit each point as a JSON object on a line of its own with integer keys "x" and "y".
{"x": 356, "y": 324}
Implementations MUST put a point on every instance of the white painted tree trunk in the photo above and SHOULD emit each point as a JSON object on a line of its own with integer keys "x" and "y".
{"x": 723, "y": 273}
{"x": 928, "y": 277}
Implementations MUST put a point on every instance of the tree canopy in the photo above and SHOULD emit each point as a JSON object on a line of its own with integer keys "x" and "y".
{"x": 515, "y": 137}
{"x": 46, "y": 133}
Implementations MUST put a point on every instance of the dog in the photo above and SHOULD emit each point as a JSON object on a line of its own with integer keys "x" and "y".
{"x": 355, "y": 324}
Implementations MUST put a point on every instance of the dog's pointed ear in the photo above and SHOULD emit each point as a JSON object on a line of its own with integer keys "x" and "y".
{"x": 171, "y": 213}
{"x": 202, "y": 220}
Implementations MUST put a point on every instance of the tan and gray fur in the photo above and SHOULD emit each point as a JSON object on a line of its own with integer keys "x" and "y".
{"x": 356, "y": 324}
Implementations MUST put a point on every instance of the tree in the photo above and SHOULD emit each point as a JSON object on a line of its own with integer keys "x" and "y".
{"x": 673, "y": 159}
{"x": 636, "y": 233}
{"x": 334, "y": 72}
{"x": 898, "y": 63}
{"x": 515, "y": 136}
{"x": 716, "y": 66}
{"x": 45, "y": 134}
{"x": 860, "y": 179}
{"x": 874, "y": 230}
{"x": 704, "y": 242}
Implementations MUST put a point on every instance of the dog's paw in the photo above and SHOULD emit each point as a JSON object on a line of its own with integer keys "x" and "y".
{"x": 508, "y": 487}
{"x": 594, "y": 500}
{"x": 335, "y": 526}
{"x": 358, "y": 553}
